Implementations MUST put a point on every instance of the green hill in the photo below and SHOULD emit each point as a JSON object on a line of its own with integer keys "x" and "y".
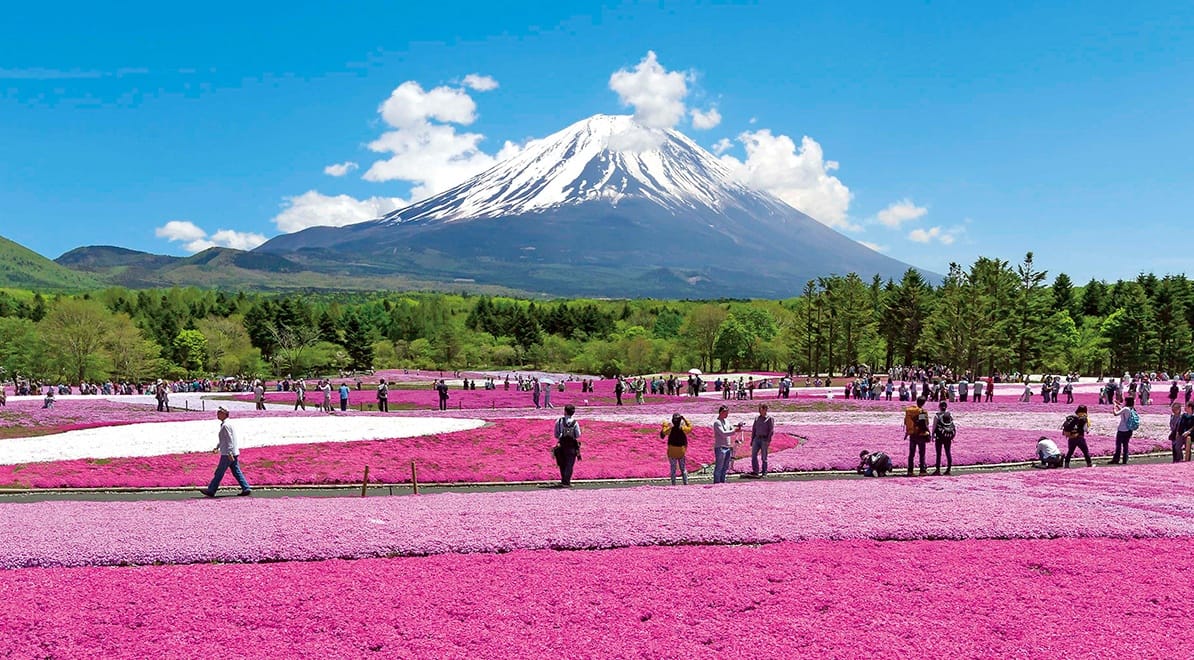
{"x": 23, "y": 268}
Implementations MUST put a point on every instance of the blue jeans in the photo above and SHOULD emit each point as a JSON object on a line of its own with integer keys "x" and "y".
{"x": 225, "y": 463}
{"x": 682, "y": 464}
{"x": 758, "y": 446}
{"x": 721, "y": 463}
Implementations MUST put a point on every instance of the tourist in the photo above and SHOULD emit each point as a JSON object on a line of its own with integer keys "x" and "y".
{"x": 48, "y": 402}
{"x": 343, "y": 397}
{"x": 916, "y": 432}
{"x": 1184, "y": 430}
{"x": 943, "y": 438}
{"x": 383, "y": 396}
{"x": 1074, "y": 428}
{"x": 760, "y": 441}
{"x": 978, "y": 390}
{"x": 536, "y": 389}
{"x": 300, "y": 394}
{"x": 259, "y": 395}
{"x": 1175, "y": 422}
{"x": 619, "y": 388}
{"x": 567, "y": 449}
{"x": 1129, "y": 421}
{"x": 325, "y": 387}
{"x": 547, "y": 396}
{"x": 441, "y": 388}
{"x": 990, "y": 388}
{"x": 1069, "y": 393}
{"x": 676, "y": 433}
{"x": 875, "y": 464}
{"x": 229, "y": 453}
{"x": 723, "y": 444}
{"x": 1173, "y": 391}
{"x": 1048, "y": 453}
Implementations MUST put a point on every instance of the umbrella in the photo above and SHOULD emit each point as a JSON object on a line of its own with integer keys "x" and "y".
{"x": 546, "y": 381}
{"x": 695, "y": 372}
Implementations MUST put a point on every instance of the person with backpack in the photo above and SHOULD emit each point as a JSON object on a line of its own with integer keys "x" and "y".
{"x": 383, "y": 396}
{"x": 1129, "y": 421}
{"x": 943, "y": 438}
{"x": 1185, "y": 428}
{"x": 676, "y": 433}
{"x": 876, "y": 464}
{"x": 567, "y": 449}
{"x": 916, "y": 432}
{"x": 1074, "y": 429}
{"x": 441, "y": 388}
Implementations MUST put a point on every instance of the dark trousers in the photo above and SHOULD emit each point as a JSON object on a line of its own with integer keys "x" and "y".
{"x": 916, "y": 443}
{"x": 566, "y": 459}
{"x": 1121, "y": 443}
{"x": 443, "y": 404}
{"x": 343, "y": 405}
{"x": 990, "y": 394}
{"x": 383, "y": 405}
{"x": 619, "y": 396}
{"x": 949, "y": 457}
{"x": 1077, "y": 443}
{"x": 1179, "y": 448}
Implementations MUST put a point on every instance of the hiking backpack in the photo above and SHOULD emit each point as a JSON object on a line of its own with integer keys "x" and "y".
{"x": 1133, "y": 420}
{"x": 946, "y": 429}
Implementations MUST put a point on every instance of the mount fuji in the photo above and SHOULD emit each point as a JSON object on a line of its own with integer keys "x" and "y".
{"x": 604, "y": 207}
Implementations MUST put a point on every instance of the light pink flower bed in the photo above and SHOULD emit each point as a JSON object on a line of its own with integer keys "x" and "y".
{"x": 836, "y": 447}
{"x": 25, "y": 418}
{"x": 1025, "y": 598}
{"x": 507, "y": 450}
{"x": 1138, "y": 501}
{"x": 427, "y": 398}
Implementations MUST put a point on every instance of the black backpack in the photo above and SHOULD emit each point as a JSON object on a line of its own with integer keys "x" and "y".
{"x": 568, "y": 434}
{"x": 1071, "y": 425}
{"x": 945, "y": 428}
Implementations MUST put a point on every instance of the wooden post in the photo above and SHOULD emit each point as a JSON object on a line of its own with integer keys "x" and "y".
{"x": 414, "y": 478}
{"x": 1187, "y": 449}
{"x": 365, "y": 481}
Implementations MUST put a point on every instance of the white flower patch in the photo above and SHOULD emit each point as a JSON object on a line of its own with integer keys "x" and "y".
{"x": 163, "y": 438}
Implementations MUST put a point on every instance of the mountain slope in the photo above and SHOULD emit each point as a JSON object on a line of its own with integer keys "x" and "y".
{"x": 23, "y": 268}
{"x": 603, "y": 207}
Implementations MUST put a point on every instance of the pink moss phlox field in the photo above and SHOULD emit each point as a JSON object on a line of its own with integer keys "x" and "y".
{"x": 1024, "y": 598}
{"x": 72, "y": 414}
{"x": 507, "y": 450}
{"x": 1133, "y": 502}
{"x": 836, "y": 447}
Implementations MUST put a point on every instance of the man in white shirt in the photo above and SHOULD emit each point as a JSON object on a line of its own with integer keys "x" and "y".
{"x": 229, "y": 458}
{"x": 723, "y": 445}
{"x": 1048, "y": 453}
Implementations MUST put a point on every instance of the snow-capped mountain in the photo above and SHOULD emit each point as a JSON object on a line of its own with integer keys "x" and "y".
{"x": 604, "y": 207}
{"x": 602, "y": 158}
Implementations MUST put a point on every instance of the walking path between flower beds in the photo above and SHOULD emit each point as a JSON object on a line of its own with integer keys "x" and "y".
{"x": 1141, "y": 501}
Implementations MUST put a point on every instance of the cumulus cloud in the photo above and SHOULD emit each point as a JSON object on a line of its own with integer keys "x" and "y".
{"x": 340, "y": 169}
{"x": 656, "y": 94}
{"x": 938, "y": 234}
{"x": 897, "y": 213}
{"x": 314, "y": 209}
{"x": 723, "y": 145}
{"x": 799, "y": 176}
{"x": 480, "y": 83}
{"x": 705, "y": 120}
{"x": 195, "y": 239}
{"x": 424, "y": 146}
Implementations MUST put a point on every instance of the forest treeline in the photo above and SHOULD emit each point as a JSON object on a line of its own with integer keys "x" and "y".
{"x": 993, "y": 316}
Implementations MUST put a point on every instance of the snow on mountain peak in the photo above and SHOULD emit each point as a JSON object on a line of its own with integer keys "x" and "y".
{"x": 603, "y": 157}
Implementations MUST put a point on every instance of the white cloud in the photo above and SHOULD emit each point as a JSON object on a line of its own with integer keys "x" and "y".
{"x": 942, "y": 236}
{"x": 703, "y": 121}
{"x": 340, "y": 169}
{"x": 636, "y": 139}
{"x": 195, "y": 239}
{"x": 723, "y": 145}
{"x": 897, "y": 213}
{"x": 801, "y": 177}
{"x": 431, "y": 156}
{"x": 313, "y": 209}
{"x": 874, "y": 246}
{"x": 656, "y": 94}
{"x": 180, "y": 230}
{"x": 480, "y": 83}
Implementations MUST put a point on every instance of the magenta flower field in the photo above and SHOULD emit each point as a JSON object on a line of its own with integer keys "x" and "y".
{"x": 1024, "y": 598}
{"x": 506, "y": 450}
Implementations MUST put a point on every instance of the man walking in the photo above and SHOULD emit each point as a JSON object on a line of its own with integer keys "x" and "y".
{"x": 916, "y": 430}
{"x": 229, "y": 458}
{"x": 383, "y": 396}
{"x": 567, "y": 449}
{"x": 760, "y": 440}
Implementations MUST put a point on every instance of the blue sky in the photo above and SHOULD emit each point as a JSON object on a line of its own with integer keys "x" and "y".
{"x": 1063, "y": 128}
